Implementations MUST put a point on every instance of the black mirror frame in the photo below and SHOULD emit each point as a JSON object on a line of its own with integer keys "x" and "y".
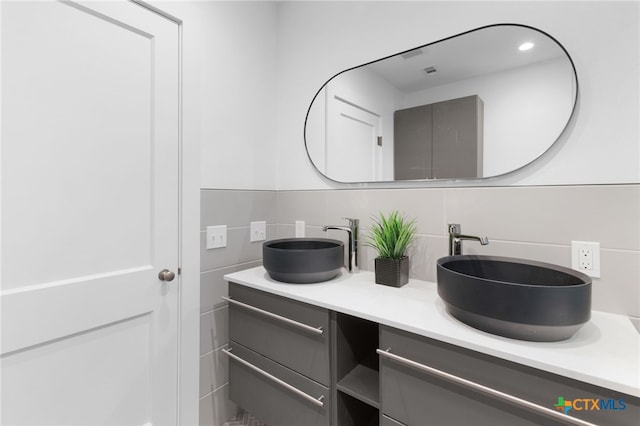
{"x": 444, "y": 182}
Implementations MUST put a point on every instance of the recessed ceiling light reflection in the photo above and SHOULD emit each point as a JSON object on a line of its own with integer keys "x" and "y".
{"x": 526, "y": 46}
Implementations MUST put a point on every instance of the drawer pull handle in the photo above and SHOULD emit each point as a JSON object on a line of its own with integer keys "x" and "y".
{"x": 317, "y": 401}
{"x": 314, "y": 330}
{"x": 482, "y": 389}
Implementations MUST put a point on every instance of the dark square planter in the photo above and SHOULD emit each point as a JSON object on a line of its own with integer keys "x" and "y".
{"x": 392, "y": 272}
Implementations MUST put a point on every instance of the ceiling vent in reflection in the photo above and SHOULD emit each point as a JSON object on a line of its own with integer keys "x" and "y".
{"x": 412, "y": 53}
{"x": 430, "y": 70}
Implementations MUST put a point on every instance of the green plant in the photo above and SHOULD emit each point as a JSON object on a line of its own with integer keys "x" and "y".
{"x": 391, "y": 236}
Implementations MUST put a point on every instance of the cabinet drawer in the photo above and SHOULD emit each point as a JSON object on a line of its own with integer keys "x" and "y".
{"x": 260, "y": 392}
{"x": 415, "y": 397}
{"x": 281, "y": 329}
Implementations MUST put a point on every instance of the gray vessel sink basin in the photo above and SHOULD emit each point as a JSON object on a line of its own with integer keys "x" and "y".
{"x": 516, "y": 298}
{"x": 303, "y": 260}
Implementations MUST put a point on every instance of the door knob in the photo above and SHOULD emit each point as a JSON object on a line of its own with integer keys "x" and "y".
{"x": 166, "y": 275}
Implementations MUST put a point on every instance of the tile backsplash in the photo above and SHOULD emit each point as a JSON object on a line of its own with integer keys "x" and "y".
{"x": 537, "y": 223}
{"x": 236, "y": 209}
{"x": 530, "y": 222}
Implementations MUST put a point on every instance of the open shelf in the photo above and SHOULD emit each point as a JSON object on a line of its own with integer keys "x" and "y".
{"x": 357, "y": 383}
{"x": 362, "y": 384}
{"x": 353, "y": 412}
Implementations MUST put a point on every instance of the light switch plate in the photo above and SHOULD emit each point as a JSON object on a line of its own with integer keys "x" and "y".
{"x": 216, "y": 236}
{"x": 258, "y": 231}
{"x": 299, "y": 228}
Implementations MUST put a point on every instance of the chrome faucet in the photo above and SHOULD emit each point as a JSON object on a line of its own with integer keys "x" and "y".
{"x": 456, "y": 238}
{"x": 352, "y": 230}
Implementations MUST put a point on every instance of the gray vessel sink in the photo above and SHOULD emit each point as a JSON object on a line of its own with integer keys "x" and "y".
{"x": 516, "y": 298}
{"x": 303, "y": 260}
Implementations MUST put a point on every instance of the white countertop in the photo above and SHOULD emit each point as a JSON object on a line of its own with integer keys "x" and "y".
{"x": 604, "y": 352}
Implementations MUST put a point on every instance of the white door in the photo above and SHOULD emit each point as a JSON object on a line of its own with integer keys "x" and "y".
{"x": 90, "y": 211}
{"x": 352, "y": 151}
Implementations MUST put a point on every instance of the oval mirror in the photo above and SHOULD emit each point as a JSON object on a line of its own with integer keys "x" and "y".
{"x": 476, "y": 105}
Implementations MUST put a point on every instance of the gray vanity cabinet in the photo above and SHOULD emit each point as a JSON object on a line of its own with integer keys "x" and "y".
{"x": 270, "y": 401}
{"x": 296, "y": 364}
{"x": 278, "y": 358}
{"x": 440, "y": 140}
{"x": 299, "y": 349}
{"x": 412, "y": 397}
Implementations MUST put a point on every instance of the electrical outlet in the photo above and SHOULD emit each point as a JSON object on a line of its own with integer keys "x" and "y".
{"x": 299, "y": 228}
{"x": 258, "y": 231}
{"x": 216, "y": 236}
{"x": 585, "y": 257}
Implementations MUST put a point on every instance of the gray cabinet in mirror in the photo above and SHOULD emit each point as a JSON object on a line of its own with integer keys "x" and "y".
{"x": 440, "y": 140}
{"x": 528, "y": 97}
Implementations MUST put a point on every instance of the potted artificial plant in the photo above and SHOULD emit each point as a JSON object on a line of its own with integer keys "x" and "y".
{"x": 391, "y": 237}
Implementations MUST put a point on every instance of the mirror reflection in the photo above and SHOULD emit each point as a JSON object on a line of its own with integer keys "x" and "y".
{"x": 476, "y": 105}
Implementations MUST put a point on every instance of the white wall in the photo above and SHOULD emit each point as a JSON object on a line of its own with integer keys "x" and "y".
{"x": 251, "y": 70}
{"x": 229, "y": 74}
{"x": 318, "y": 40}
